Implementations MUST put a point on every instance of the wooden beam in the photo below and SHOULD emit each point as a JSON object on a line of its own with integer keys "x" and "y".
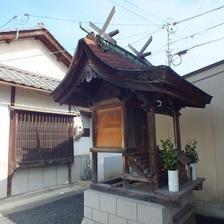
{"x": 12, "y": 148}
{"x": 94, "y": 167}
{"x": 69, "y": 173}
{"x": 135, "y": 177}
{"x": 13, "y": 96}
{"x": 176, "y": 125}
{"x": 153, "y": 152}
{"x": 107, "y": 150}
{"x": 125, "y": 170}
{"x": 12, "y": 130}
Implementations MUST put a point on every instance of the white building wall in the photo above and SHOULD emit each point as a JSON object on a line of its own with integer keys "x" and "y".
{"x": 46, "y": 64}
{"x": 4, "y": 138}
{"x": 207, "y": 128}
{"x": 38, "y": 100}
{"x": 82, "y": 146}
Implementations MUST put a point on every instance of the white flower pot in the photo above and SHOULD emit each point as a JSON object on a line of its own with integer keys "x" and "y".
{"x": 173, "y": 180}
{"x": 193, "y": 171}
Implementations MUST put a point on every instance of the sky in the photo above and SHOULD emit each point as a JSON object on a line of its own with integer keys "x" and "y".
{"x": 136, "y": 20}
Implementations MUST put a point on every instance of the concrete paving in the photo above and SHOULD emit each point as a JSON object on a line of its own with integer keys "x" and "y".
{"x": 56, "y": 207}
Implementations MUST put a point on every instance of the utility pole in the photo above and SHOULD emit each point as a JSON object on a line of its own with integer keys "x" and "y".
{"x": 168, "y": 51}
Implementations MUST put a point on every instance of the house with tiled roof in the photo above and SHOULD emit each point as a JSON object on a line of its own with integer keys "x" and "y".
{"x": 37, "y": 135}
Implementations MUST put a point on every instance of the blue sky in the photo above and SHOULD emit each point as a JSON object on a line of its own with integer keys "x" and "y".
{"x": 150, "y": 15}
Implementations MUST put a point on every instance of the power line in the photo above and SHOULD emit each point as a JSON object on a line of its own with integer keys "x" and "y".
{"x": 134, "y": 35}
{"x": 78, "y": 21}
{"x": 145, "y": 36}
{"x": 37, "y": 55}
{"x": 9, "y": 21}
{"x": 147, "y": 12}
{"x": 198, "y": 10}
{"x": 158, "y": 50}
{"x": 136, "y": 14}
{"x": 205, "y": 43}
{"x": 198, "y": 45}
{"x": 198, "y": 33}
{"x": 199, "y": 15}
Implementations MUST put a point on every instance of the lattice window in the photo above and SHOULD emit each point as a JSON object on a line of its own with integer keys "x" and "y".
{"x": 42, "y": 138}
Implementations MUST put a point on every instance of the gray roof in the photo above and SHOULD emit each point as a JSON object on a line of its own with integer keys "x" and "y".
{"x": 17, "y": 76}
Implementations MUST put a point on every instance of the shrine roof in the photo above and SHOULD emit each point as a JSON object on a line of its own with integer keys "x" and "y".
{"x": 122, "y": 69}
{"x": 116, "y": 57}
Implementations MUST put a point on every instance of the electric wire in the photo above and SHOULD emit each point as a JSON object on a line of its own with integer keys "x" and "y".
{"x": 9, "y": 21}
{"x": 137, "y": 34}
{"x": 87, "y": 22}
{"x": 198, "y": 15}
{"x": 198, "y": 10}
{"x": 36, "y": 55}
{"x": 202, "y": 44}
{"x": 145, "y": 36}
{"x": 197, "y": 33}
{"x": 147, "y": 12}
{"x": 136, "y": 14}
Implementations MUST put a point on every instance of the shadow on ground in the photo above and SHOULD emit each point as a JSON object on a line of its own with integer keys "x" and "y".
{"x": 68, "y": 210}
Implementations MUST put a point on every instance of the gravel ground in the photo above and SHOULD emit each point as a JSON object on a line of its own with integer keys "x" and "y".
{"x": 208, "y": 220}
{"x": 68, "y": 210}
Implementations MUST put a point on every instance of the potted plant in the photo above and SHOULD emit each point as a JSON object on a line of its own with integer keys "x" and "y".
{"x": 190, "y": 151}
{"x": 170, "y": 161}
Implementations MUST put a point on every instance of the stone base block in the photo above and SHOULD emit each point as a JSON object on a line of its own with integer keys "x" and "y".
{"x": 105, "y": 208}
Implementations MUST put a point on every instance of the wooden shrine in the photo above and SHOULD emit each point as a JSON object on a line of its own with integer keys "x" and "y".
{"x": 124, "y": 94}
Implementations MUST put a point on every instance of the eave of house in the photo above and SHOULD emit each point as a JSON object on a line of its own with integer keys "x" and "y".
{"x": 45, "y": 37}
{"x": 204, "y": 69}
{"x": 19, "y": 78}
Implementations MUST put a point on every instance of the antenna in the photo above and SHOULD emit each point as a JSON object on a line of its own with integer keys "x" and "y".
{"x": 102, "y": 32}
{"x": 83, "y": 29}
{"x": 141, "y": 53}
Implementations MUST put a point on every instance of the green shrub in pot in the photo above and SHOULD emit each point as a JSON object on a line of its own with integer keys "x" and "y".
{"x": 169, "y": 155}
{"x": 191, "y": 153}
{"x": 170, "y": 160}
{"x": 190, "y": 150}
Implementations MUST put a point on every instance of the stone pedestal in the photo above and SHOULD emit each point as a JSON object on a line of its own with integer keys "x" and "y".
{"x": 105, "y": 208}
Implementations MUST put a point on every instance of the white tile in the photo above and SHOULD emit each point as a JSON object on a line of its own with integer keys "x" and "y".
{"x": 20, "y": 182}
{"x": 108, "y": 203}
{"x": 87, "y": 221}
{"x": 87, "y": 212}
{"x": 132, "y": 222}
{"x": 50, "y": 176}
{"x": 62, "y": 174}
{"x": 35, "y": 181}
{"x": 101, "y": 217}
{"x": 150, "y": 213}
{"x": 116, "y": 220}
{"x": 92, "y": 199}
{"x": 127, "y": 208}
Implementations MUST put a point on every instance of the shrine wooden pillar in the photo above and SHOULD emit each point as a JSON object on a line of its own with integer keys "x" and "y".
{"x": 176, "y": 124}
{"x": 153, "y": 151}
{"x": 95, "y": 167}
{"x": 125, "y": 170}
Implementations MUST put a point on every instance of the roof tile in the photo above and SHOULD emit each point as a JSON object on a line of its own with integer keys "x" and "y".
{"x": 112, "y": 58}
{"x": 25, "y": 78}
